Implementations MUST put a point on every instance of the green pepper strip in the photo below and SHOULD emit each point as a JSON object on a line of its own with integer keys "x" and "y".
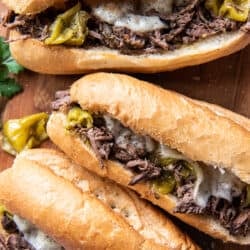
{"x": 77, "y": 116}
{"x": 165, "y": 184}
{"x": 69, "y": 28}
{"x": 26, "y": 132}
{"x": 167, "y": 161}
{"x": 236, "y": 10}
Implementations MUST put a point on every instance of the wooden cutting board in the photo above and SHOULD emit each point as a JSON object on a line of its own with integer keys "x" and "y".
{"x": 225, "y": 82}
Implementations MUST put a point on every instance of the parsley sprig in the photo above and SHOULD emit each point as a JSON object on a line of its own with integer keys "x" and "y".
{"x": 8, "y": 85}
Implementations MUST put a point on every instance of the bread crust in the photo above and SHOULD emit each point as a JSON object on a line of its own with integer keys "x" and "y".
{"x": 27, "y": 7}
{"x": 194, "y": 128}
{"x": 141, "y": 215}
{"x": 197, "y": 129}
{"x": 237, "y": 118}
{"x": 84, "y": 156}
{"x": 80, "y": 60}
{"x": 76, "y": 220}
{"x": 59, "y": 198}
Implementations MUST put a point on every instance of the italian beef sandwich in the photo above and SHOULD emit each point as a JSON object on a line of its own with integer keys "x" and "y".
{"x": 189, "y": 157}
{"x": 133, "y": 35}
{"x": 50, "y": 203}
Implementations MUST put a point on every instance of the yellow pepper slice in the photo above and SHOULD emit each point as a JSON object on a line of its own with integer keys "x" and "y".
{"x": 69, "y": 28}
{"x": 167, "y": 161}
{"x": 77, "y": 116}
{"x": 165, "y": 185}
{"x": 24, "y": 133}
{"x": 237, "y": 10}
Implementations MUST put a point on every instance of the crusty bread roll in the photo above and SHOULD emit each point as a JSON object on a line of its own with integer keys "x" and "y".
{"x": 64, "y": 194}
{"x": 81, "y": 60}
{"x": 200, "y": 131}
{"x": 47, "y": 58}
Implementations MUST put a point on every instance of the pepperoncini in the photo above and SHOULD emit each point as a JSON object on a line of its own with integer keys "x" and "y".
{"x": 24, "y": 133}
{"x": 69, "y": 28}
{"x": 167, "y": 161}
{"x": 165, "y": 184}
{"x": 187, "y": 169}
{"x": 77, "y": 116}
{"x": 236, "y": 10}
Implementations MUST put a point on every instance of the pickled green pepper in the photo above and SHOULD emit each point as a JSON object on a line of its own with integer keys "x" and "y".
{"x": 24, "y": 133}
{"x": 69, "y": 28}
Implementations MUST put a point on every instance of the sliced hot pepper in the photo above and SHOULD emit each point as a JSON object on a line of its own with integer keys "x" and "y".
{"x": 77, "y": 116}
{"x": 237, "y": 10}
{"x": 69, "y": 28}
{"x": 166, "y": 184}
{"x": 24, "y": 133}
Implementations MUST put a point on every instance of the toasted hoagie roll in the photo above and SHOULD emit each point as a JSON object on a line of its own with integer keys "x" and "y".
{"x": 190, "y": 158}
{"x": 135, "y": 36}
{"x": 80, "y": 210}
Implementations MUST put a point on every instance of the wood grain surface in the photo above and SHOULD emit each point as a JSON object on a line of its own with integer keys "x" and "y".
{"x": 225, "y": 82}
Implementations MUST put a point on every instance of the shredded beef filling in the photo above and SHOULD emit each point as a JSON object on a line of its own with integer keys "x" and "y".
{"x": 15, "y": 239}
{"x": 185, "y": 25}
{"x": 234, "y": 216}
{"x": 231, "y": 215}
{"x": 62, "y": 99}
{"x": 101, "y": 141}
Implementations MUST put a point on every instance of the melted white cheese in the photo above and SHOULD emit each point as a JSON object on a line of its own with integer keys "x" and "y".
{"x": 113, "y": 125}
{"x": 167, "y": 152}
{"x": 140, "y": 23}
{"x": 121, "y": 134}
{"x": 210, "y": 181}
{"x": 110, "y": 11}
{"x": 121, "y": 14}
{"x": 161, "y": 6}
{"x": 214, "y": 182}
{"x": 35, "y": 237}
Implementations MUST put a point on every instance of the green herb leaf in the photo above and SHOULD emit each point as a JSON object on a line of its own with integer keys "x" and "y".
{"x": 4, "y": 50}
{"x": 3, "y": 73}
{"x": 12, "y": 65}
{"x": 9, "y": 87}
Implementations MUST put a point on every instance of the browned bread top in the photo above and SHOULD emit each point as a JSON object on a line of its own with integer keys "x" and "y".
{"x": 198, "y": 130}
{"x": 63, "y": 204}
